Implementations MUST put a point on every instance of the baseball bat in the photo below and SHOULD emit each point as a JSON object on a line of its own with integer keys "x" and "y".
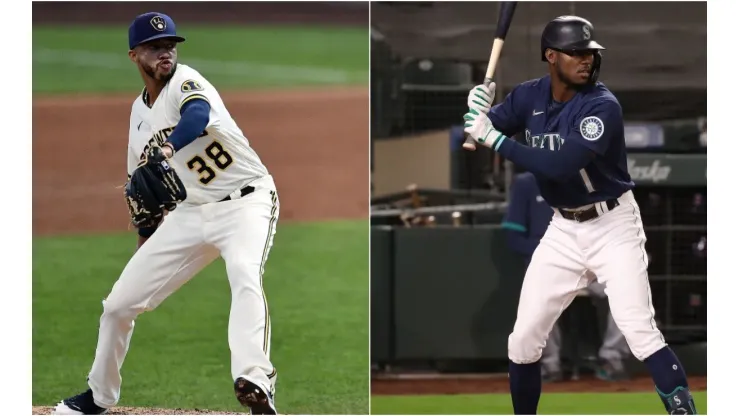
{"x": 505, "y": 17}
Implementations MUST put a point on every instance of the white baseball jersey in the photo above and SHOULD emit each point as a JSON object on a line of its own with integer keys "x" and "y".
{"x": 218, "y": 162}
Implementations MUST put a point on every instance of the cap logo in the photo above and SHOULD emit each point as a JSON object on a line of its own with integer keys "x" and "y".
{"x": 586, "y": 33}
{"x": 158, "y": 23}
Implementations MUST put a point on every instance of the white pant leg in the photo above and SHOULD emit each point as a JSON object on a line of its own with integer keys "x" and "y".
{"x": 614, "y": 345}
{"x": 244, "y": 233}
{"x": 554, "y": 276}
{"x": 617, "y": 256}
{"x": 614, "y": 348}
{"x": 168, "y": 259}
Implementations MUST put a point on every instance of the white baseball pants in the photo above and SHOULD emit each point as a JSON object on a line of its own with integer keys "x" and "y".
{"x": 612, "y": 247}
{"x": 190, "y": 238}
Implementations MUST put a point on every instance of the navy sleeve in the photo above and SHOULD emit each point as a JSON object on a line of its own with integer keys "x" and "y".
{"x": 558, "y": 166}
{"x": 506, "y": 116}
{"x": 597, "y": 124}
{"x": 193, "y": 121}
{"x": 517, "y": 213}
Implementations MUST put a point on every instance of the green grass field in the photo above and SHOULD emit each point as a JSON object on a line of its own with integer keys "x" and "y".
{"x": 317, "y": 289}
{"x": 95, "y": 59}
{"x": 550, "y": 403}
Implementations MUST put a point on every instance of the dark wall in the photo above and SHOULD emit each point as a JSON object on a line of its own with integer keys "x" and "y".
{"x": 429, "y": 55}
{"x": 457, "y": 284}
{"x": 381, "y": 294}
{"x": 451, "y": 294}
{"x": 649, "y": 45}
{"x": 442, "y": 293}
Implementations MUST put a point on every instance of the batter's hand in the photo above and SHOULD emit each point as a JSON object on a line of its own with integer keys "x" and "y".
{"x": 480, "y": 128}
{"x": 480, "y": 98}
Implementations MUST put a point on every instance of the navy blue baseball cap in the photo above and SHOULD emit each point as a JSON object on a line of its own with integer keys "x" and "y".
{"x": 150, "y": 26}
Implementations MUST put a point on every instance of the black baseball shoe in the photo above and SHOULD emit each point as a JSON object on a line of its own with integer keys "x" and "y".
{"x": 256, "y": 398}
{"x": 82, "y": 404}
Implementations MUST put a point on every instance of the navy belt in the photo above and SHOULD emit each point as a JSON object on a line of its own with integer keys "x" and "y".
{"x": 588, "y": 214}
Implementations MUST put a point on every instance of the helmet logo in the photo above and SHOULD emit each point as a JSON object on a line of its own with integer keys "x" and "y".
{"x": 158, "y": 23}
{"x": 586, "y": 33}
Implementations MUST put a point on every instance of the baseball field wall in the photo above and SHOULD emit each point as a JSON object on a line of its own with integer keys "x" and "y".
{"x": 462, "y": 286}
{"x": 121, "y": 13}
{"x": 468, "y": 285}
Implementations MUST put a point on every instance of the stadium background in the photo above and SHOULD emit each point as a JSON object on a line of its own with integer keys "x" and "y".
{"x": 444, "y": 284}
{"x": 294, "y": 76}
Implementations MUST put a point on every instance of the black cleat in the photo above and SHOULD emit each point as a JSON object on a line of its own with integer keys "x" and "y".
{"x": 82, "y": 404}
{"x": 251, "y": 395}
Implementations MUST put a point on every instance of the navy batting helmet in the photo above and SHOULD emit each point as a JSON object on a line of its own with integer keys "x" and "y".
{"x": 570, "y": 34}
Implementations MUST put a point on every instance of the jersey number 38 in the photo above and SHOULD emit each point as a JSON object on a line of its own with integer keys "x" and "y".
{"x": 218, "y": 156}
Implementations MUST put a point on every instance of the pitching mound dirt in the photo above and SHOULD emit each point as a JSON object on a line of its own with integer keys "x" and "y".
{"x": 43, "y": 410}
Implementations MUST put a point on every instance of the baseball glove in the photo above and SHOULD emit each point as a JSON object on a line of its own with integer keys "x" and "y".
{"x": 153, "y": 188}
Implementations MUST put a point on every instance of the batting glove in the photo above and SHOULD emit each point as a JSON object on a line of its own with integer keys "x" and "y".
{"x": 480, "y": 98}
{"x": 480, "y": 128}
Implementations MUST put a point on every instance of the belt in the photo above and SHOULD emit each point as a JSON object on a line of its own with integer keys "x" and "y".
{"x": 590, "y": 213}
{"x": 244, "y": 191}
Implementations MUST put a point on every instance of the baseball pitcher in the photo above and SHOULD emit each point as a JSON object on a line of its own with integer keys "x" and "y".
{"x": 196, "y": 190}
{"x": 575, "y": 148}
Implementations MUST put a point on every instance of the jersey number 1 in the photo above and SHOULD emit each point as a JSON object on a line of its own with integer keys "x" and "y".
{"x": 220, "y": 157}
{"x": 587, "y": 181}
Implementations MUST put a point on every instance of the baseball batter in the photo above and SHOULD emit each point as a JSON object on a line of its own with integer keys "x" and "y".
{"x": 526, "y": 221}
{"x": 231, "y": 210}
{"x": 575, "y": 148}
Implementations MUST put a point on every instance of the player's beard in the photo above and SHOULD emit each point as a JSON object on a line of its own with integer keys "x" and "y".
{"x": 565, "y": 80}
{"x": 152, "y": 71}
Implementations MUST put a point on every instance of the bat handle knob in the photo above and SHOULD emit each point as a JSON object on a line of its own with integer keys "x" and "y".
{"x": 469, "y": 144}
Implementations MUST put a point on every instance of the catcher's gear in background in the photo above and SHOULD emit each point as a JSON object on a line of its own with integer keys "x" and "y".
{"x": 571, "y": 34}
{"x": 153, "y": 188}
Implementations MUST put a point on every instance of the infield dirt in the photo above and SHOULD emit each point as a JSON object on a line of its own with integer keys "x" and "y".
{"x": 314, "y": 141}
{"x": 500, "y": 384}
